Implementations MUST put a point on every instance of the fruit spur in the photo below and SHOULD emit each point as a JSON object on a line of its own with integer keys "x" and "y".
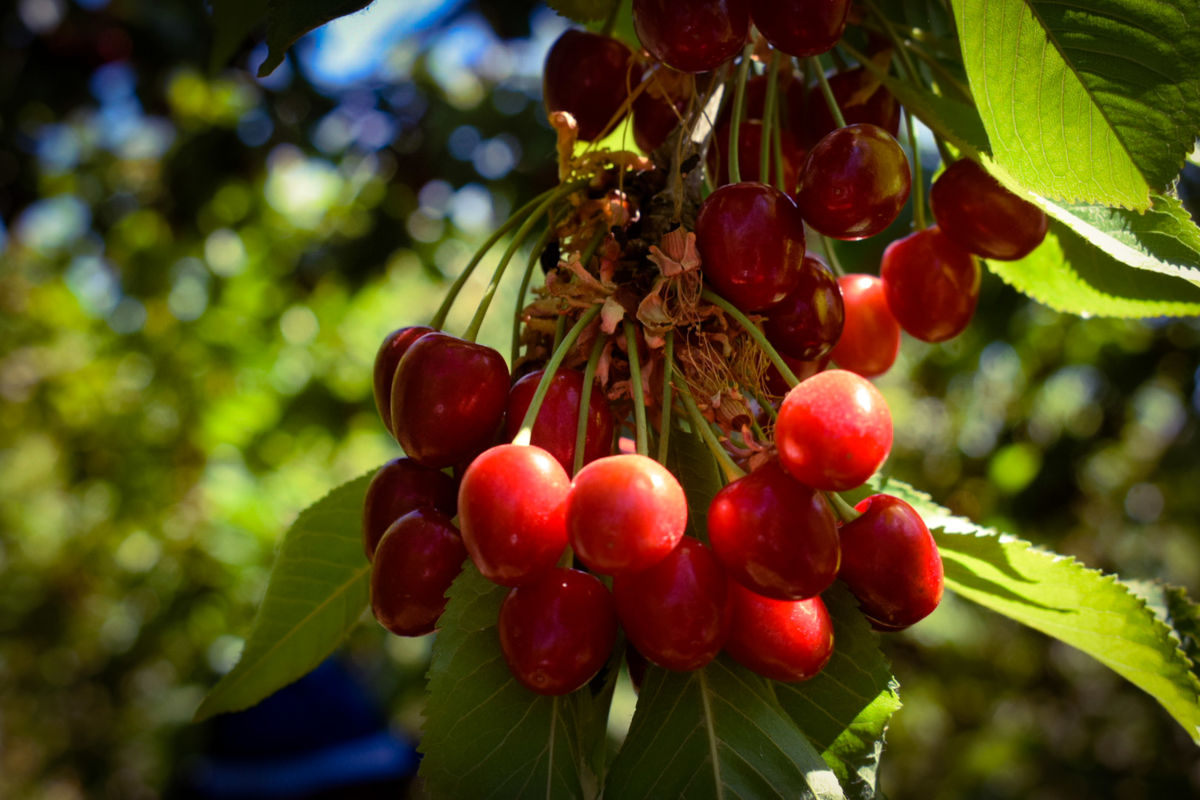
{"x": 688, "y": 305}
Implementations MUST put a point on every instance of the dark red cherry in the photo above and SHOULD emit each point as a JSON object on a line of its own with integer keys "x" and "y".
{"x": 775, "y": 382}
{"x": 418, "y": 558}
{"x": 659, "y": 109}
{"x": 806, "y": 324}
{"x": 784, "y": 640}
{"x": 558, "y": 631}
{"x": 590, "y": 76}
{"x": 693, "y": 36}
{"x": 891, "y": 563}
{"x": 675, "y": 613}
{"x": 982, "y": 217}
{"x": 854, "y": 182}
{"x": 750, "y": 154}
{"x": 400, "y": 486}
{"x": 931, "y": 284}
{"x": 394, "y": 346}
{"x": 558, "y": 418}
{"x": 775, "y": 535}
{"x": 448, "y": 399}
{"x": 800, "y": 27}
{"x": 870, "y": 338}
{"x": 861, "y": 97}
{"x": 751, "y": 241}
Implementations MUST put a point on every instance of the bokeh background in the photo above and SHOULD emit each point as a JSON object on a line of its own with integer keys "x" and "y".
{"x": 196, "y": 268}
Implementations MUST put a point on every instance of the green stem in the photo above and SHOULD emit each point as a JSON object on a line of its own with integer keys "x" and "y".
{"x": 732, "y": 471}
{"x": 909, "y": 67}
{"x": 639, "y": 397}
{"x": 831, "y": 254}
{"x": 845, "y": 511}
{"x": 944, "y": 150}
{"x": 815, "y": 67}
{"x": 585, "y": 400}
{"x": 777, "y": 147}
{"x": 592, "y": 247}
{"x": 755, "y": 334}
{"x": 560, "y": 327}
{"x": 918, "y": 173}
{"x": 534, "y": 255}
{"x": 560, "y": 352}
{"x": 735, "y": 124}
{"x": 610, "y": 22}
{"x": 664, "y": 425}
{"x": 769, "y": 121}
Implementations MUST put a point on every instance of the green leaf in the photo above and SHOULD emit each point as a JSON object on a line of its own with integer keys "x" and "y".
{"x": 317, "y": 592}
{"x": 288, "y": 21}
{"x": 487, "y": 736}
{"x": 233, "y": 21}
{"x": 583, "y": 10}
{"x": 690, "y": 460}
{"x": 1060, "y": 597}
{"x": 1178, "y": 611}
{"x": 845, "y": 709}
{"x": 711, "y": 733}
{"x": 1096, "y": 102}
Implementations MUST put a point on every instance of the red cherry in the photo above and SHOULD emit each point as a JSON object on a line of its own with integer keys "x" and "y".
{"x": 891, "y": 563}
{"x": 834, "y": 430}
{"x": 400, "y": 486}
{"x": 394, "y": 346}
{"x": 751, "y": 241}
{"x": 870, "y": 338}
{"x": 418, "y": 558}
{"x": 695, "y": 36}
{"x": 588, "y": 75}
{"x": 511, "y": 508}
{"x": 557, "y": 632}
{"x": 807, "y": 323}
{"x": 658, "y": 110}
{"x": 555, "y": 428}
{"x": 625, "y": 513}
{"x": 931, "y": 284}
{"x": 675, "y": 613}
{"x": 784, "y": 640}
{"x": 448, "y": 399}
{"x": 981, "y": 216}
{"x": 861, "y": 98}
{"x": 800, "y": 27}
{"x": 750, "y": 153}
{"x": 775, "y": 535}
{"x": 854, "y": 182}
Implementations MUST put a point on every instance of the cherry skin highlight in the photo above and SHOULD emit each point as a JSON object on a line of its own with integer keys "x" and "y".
{"x": 692, "y": 37}
{"x": 807, "y": 323}
{"x": 555, "y": 427}
{"x": 588, "y": 75}
{"x": 418, "y": 558}
{"x": 800, "y": 27}
{"x": 982, "y": 217}
{"x": 400, "y": 486}
{"x": 870, "y": 339}
{"x": 394, "y": 346}
{"x": 931, "y": 284}
{"x": 784, "y": 640}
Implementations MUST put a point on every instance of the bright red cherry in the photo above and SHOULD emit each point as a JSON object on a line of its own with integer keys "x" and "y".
{"x": 675, "y": 613}
{"x": 589, "y": 75}
{"x": 807, "y": 323}
{"x": 854, "y": 182}
{"x": 834, "y": 430}
{"x": 418, "y": 558}
{"x": 558, "y": 418}
{"x": 558, "y": 631}
{"x": 800, "y": 27}
{"x": 400, "y": 486}
{"x": 511, "y": 507}
{"x": 750, "y": 152}
{"x": 891, "y": 563}
{"x": 625, "y": 513}
{"x": 775, "y": 535}
{"x": 861, "y": 98}
{"x": 784, "y": 640}
{"x": 981, "y": 216}
{"x": 448, "y": 399}
{"x": 695, "y": 36}
{"x": 932, "y": 284}
{"x": 751, "y": 241}
{"x": 394, "y": 346}
{"x": 870, "y": 338}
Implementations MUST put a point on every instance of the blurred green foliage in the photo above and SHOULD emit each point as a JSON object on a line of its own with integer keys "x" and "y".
{"x": 195, "y": 271}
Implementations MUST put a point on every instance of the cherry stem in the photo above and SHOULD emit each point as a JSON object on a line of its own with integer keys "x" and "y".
{"x": 769, "y": 121}
{"x": 918, "y": 173}
{"x": 639, "y": 396}
{"x": 732, "y": 471}
{"x": 560, "y": 352}
{"x": 831, "y": 101}
{"x": 944, "y": 150}
{"x": 610, "y": 21}
{"x": 664, "y": 426}
{"x": 585, "y": 401}
{"x": 735, "y": 124}
{"x": 560, "y": 327}
{"x": 831, "y": 254}
{"x": 901, "y": 48}
{"x": 845, "y": 511}
{"x": 755, "y": 334}
{"x": 534, "y": 256}
{"x": 777, "y": 147}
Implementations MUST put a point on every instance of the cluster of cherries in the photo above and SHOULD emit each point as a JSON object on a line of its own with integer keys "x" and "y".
{"x": 595, "y": 541}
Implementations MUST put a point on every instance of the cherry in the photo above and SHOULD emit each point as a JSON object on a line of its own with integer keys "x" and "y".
{"x": 418, "y": 558}
{"x": 800, "y": 27}
{"x": 589, "y": 75}
{"x": 658, "y": 110}
{"x": 870, "y": 339}
{"x": 750, "y": 152}
{"x": 854, "y": 182}
{"x": 751, "y": 241}
{"x": 400, "y": 486}
{"x": 448, "y": 398}
{"x": 789, "y": 101}
{"x": 775, "y": 382}
{"x": 511, "y": 507}
{"x": 784, "y": 640}
{"x": 675, "y": 613}
{"x": 981, "y": 216}
{"x": 931, "y": 284}
{"x": 557, "y": 419}
{"x": 394, "y": 346}
{"x": 861, "y": 98}
{"x": 558, "y": 631}
{"x": 625, "y": 513}
{"x": 834, "y": 430}
{"x": 695, "y": 36}
{"x": 807, "y": 323}
{"x": 775, "y": 535}
{"x": 891, "y": 563}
